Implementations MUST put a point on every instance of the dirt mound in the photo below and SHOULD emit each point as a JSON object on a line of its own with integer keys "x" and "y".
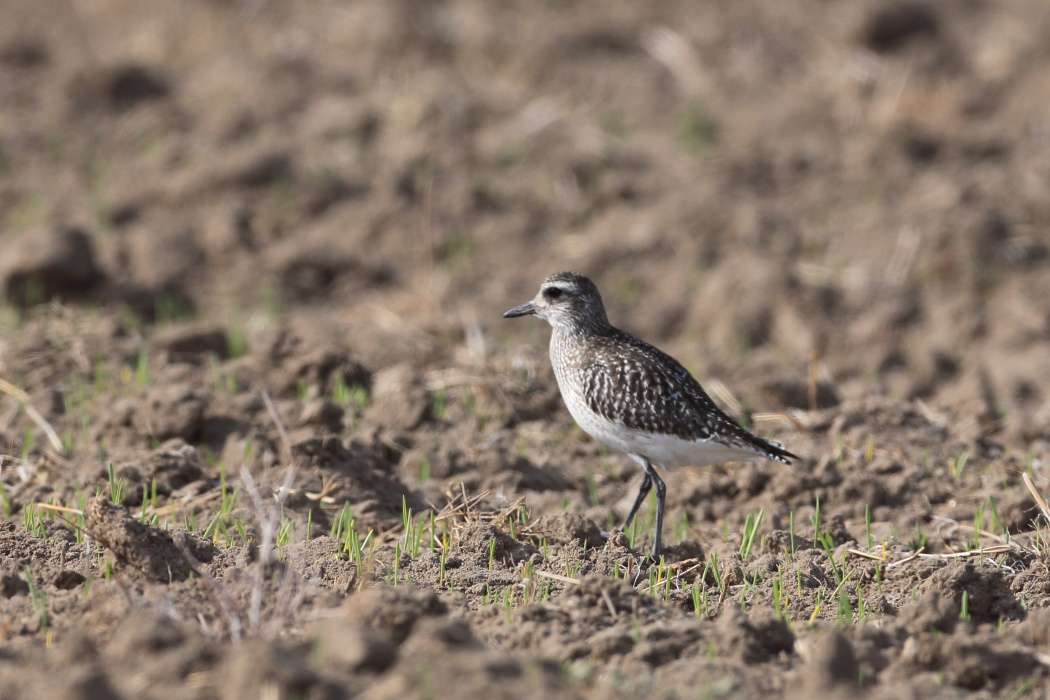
{"x": 141, "y": 550}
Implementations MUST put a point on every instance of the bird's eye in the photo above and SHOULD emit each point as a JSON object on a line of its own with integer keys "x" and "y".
{"x": 552, "y": 292}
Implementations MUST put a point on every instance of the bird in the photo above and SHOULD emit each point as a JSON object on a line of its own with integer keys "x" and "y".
{"x": 632, "y": 397}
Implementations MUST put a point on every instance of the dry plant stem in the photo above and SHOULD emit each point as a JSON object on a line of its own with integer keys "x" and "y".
{"x": 609, "y": 602}
{"x": 867, "y": 555}
{"x": 23, "y": 398}
{"x": 911, "y": 557}
{"x": 58, "y": 509}
{"x": 558, "y": 577}
{"x": 1039, "y": 500}
{"x": 268, "y": 518}
{"x": 994, "y": 549}
{"x": 286, "y": 442}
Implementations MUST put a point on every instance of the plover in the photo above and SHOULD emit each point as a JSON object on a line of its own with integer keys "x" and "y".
{"x": 632, "y": 397}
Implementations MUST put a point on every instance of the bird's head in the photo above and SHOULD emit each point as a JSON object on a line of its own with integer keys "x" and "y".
{"x": 566, "y": 300}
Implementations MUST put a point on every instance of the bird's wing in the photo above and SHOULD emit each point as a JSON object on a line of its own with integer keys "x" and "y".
{"x": 647, "y": 390}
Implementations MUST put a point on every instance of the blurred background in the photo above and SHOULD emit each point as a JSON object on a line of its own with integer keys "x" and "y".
{"x": 770, "y": 191}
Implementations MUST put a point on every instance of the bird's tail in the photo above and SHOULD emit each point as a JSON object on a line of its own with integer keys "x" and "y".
{"x": 778, "y": 452}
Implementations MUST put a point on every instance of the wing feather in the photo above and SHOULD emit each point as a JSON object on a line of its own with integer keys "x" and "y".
{"x": 645, "y": 389}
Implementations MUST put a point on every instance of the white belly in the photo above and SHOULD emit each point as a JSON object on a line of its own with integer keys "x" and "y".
{"x": 664, "y": 451}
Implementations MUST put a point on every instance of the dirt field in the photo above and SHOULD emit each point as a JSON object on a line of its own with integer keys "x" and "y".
{"x": 265, "y": 434}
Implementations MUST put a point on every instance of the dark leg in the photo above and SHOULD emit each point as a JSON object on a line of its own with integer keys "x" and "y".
{"x": 643, "y": 491}
{"x": 650, "y": 478}
{"x": 661, "y": 494}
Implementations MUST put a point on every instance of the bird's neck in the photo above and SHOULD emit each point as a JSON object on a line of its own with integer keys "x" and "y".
{"x": 579, "y": 332}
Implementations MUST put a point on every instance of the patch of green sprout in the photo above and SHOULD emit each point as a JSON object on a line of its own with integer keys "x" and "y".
{"x": 956, "y": 466}
{"x": 748, "y": 586}
{"x": 592, "y": 489}
{"x": 844, "y": 611}
{"x": 696, "y": 130}
{"x": 397, "y": 563}
{"x": 508, "y": 605}
{"x": 39, "y": 600}
{"x": 815, "y": 519}
{"x": 492, "y": 552}
{"x": 6, "y": 507}
{"x": 142, "y": 378}
{"x": 681, "y": 526}
{"x": 86, "y": 592}
{"x": 236, "y": 341}
{"x": 655, "y": 576}
{"x": 780, "y": 597}
{"x": 224, "y": 382}
{"x": 27, "y": 443}
{"x": 545, "y": 591}
{"x": 424, "y": 471}
{"x": 528, "y": 582}
{"x": 1023, "y": 687}
{"x": 285, "y": 532}
{"x": 270, "y": 299}
{"x": 169, "y": 308}
{"x": 438, "y": 400}
{"x": 247, "y": 455}
{"x": 964, "y": 612}
{"x": 978, "y": 526}
{"x": 750, "y": 528}
{"x": 867, "y": 525}
{"x": 33, "y": 521}
{"x": 355, "y": 547}
{"x": 818, "y": 604}
{"x": 434, "y": 543}
{"x": 712, "y": 566}
{"x": 116, "y": 486}
{"x": 349, "y": 395}
{"x": 862, "y": 611}
{"x": 413, "y": 529}
{"x": 102, "y": 379}
{"x": 828, "y": 544}
{"x": 919, "y": 542}
{"x": 699, "y": 595}
{"x": 996, "y": 522}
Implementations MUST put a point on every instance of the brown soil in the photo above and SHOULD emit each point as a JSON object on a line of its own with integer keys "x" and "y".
{"x": 253, "y": 257}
